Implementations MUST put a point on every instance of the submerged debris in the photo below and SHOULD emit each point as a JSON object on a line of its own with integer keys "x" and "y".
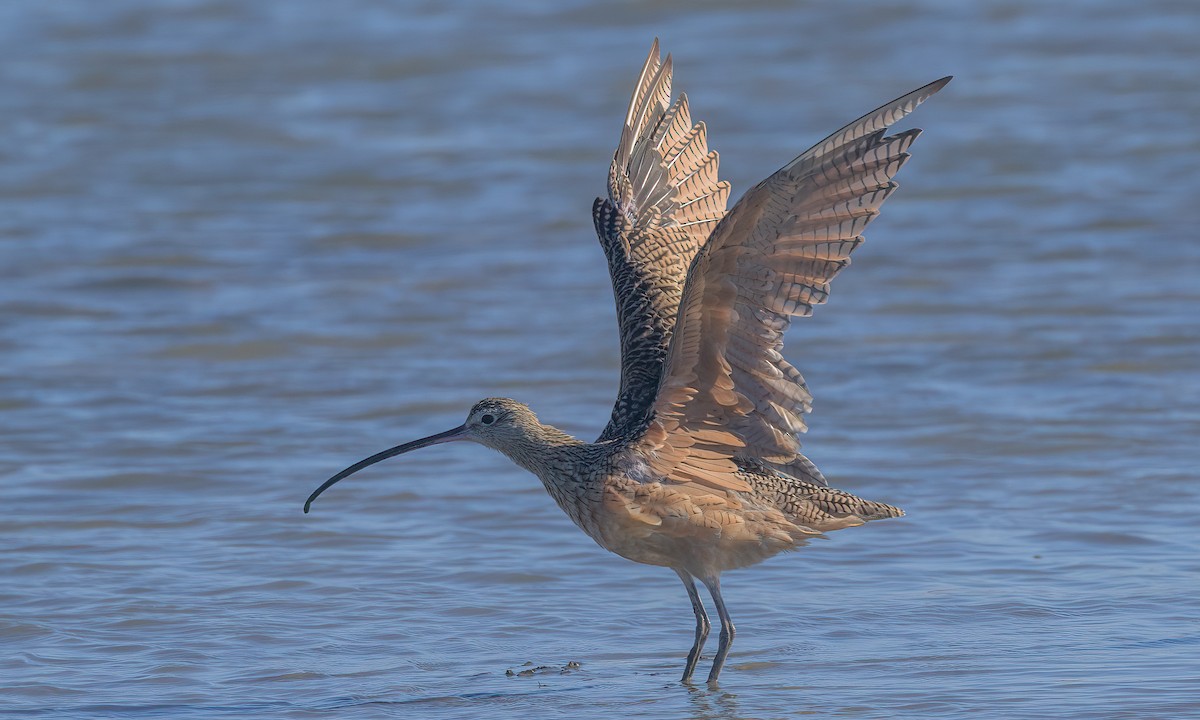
{"x": 531, "y": 670}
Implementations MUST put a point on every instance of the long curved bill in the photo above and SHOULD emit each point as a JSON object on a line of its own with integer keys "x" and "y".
{"x": 458, "y": 433}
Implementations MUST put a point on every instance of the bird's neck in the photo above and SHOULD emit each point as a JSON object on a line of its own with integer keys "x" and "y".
{"x": 543, "y": 450}
{"x": 557, "y": 459}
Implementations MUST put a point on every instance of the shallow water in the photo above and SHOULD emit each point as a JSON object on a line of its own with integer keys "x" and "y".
{"x": 247, "y": 244}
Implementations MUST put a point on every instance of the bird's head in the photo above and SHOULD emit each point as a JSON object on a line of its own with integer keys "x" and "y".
{"x": 498, "y": 423}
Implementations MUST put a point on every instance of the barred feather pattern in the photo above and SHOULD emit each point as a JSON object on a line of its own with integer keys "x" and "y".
{"x": 664, "y": 199}
{"x": 771, "y": 258}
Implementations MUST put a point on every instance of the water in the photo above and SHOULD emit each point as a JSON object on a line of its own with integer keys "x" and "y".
{"x": 247, "y": 244}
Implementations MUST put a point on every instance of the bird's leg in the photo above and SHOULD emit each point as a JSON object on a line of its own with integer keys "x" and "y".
{"x": 727, "y": 630}
{"x": 702, "y": 625}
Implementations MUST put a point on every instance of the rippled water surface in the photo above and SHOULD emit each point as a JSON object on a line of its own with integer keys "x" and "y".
{"x": 245, "y": 244}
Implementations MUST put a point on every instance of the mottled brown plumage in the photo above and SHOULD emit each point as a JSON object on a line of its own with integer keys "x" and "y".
{"x": 699, "y": 468}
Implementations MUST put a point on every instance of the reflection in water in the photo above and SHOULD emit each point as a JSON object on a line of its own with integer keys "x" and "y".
{"x": 713, "y": 705}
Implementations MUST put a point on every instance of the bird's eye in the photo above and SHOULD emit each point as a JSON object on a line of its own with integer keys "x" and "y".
{"x": 487, "y": 419}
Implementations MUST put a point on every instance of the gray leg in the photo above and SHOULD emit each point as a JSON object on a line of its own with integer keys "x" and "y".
{"x": 727, "y": 630}
{"x": 702, "y": 625}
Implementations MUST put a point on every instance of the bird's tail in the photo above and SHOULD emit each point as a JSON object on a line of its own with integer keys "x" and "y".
{"x": 826, "y": 509}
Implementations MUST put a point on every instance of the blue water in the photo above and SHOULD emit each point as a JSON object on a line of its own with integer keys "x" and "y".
{"x": 247, "y": 244}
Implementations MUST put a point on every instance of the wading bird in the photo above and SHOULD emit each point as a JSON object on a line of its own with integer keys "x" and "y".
{"x": 699, "y": 468}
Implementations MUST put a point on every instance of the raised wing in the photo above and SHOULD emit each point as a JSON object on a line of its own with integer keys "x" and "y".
{"x": 727, "y": 394}
{"x": 663, "y": 201}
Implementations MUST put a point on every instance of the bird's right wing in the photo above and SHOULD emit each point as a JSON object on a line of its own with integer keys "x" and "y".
{"x": 727, "y": 393}
{"x": 664, "y": 199}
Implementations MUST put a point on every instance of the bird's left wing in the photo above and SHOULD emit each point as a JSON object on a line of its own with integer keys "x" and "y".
{"x": 727, "y": 394}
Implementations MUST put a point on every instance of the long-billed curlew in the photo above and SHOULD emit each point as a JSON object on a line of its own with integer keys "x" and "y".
{"x": 699, "y": 468}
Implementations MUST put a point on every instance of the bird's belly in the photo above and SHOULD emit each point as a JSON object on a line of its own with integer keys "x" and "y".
{"x": 700, "y": 552}
{"x": 656, "y": 524}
